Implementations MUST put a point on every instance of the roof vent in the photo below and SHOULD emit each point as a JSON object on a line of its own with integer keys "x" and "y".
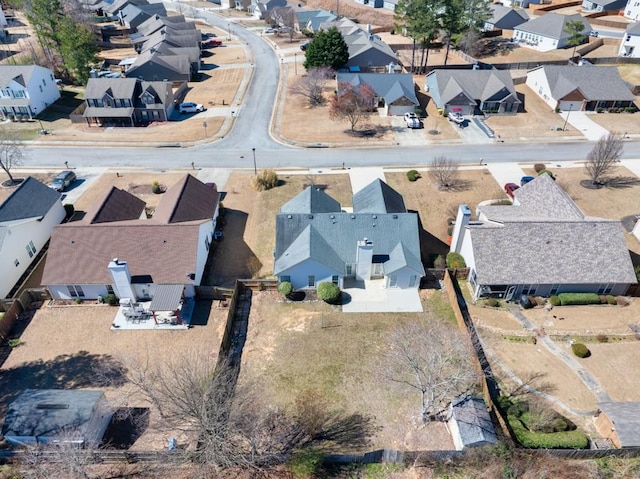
{"x": 289, "y": 216}
{"x": 374, "y": 216}
{"x": 310, "y": 217}
{"x": 353, "y": 217}
{"x": 395, "y": 217}
{"x": 333, "y": 217}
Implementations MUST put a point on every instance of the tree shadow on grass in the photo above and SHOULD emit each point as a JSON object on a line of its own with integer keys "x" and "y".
{"x": 369, "y": 131}
{"x": 614, "y": 182}
{"x": 67, "y": 371}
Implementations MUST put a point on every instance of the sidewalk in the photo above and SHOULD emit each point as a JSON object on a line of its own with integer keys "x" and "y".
{"x": 581, "y": 122}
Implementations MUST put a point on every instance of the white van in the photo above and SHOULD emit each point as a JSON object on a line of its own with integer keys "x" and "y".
{"x": 190, "y": 107}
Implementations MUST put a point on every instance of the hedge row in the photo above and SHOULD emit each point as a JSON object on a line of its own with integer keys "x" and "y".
{"x": 568, "y": 299}
{"x": 540, "y": 440}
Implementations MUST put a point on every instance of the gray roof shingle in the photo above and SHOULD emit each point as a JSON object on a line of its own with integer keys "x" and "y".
{"x": 31, "y": 199}
{"x": 378, "y": 197}
{"x": 626, "y": 419}
{"x": 552, "y": 25}
{"x": 483, "y": 85}
{"x": 21, "y": 73}
{"x": 391, "y": 87}
{"x": 474, "y": 422}
{"x": 311, "y": 200}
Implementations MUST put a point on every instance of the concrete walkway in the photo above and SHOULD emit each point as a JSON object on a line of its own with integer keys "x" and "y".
{"x": 581, "y": 122}
{"x": 506, "y": 172}
{"x": 372, "y": 297}
{"x": 632, "y": 166}
{"x": 361, "y": 177}
{"x": 571, "y": 362}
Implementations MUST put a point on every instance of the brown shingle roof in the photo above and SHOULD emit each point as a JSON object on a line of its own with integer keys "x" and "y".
{"x": 117, "y": 205}
{"x": 188, "y": 200}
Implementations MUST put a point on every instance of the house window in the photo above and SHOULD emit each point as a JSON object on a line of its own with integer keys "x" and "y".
{"x": 349, "y": 270}
{"x": 605, "y": 289}
{"x": 412, "y": 281}
{"x": 109, "y": 289}
{"x": 335, "y": 279}
{"x": 473, "y": 278}
{"x": 29, "y": 252}
{"x": 207, "y": 243}
{"x": 44, "y": 82}
{"x": 529, "y": 289}
{"x": 16, "y": 263}
{"x": 285, "y": 278}
{"x": 75, "y": 290}
{"x": 19, "y": 94}
{"x": 393, "y": 281}
{"x": 40, "y": 86}
{"x": 311, "y": 281}
{"x": 554, "y": 289}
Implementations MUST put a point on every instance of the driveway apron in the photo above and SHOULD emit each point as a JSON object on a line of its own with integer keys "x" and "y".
{"x": 581, "y": 122}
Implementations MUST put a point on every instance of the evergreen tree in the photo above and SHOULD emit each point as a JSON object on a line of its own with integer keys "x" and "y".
{"x": 419, "y": 19}
{"x": 452, "y": 20}
{"x": 327, "y": 49}
{"x": 574, "y": 29}
{"x": 78, "y": 49}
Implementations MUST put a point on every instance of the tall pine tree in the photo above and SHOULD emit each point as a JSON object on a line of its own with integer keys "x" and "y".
{"x": 327, "y": 49}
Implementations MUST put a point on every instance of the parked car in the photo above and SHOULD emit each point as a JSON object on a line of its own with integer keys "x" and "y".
{"x": 304, "y": 46}
{"x": 268, "y": 30}
{"x": 218, "y": 235}
{"x": 526, "y": 179}
{"x": 412, "y": 120}
{"x": 63, "y": 180}
{"x": 593, "y": 33}
{"x": 190, "y": 107}
{"x": 456, "y": 117}
{"x": 210, "y": 43}
{"x": 509, "y": 188}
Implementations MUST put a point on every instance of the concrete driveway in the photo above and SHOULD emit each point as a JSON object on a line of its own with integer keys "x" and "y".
{"x": 407, "y": 136}
{"x": 361, "y": 177}
{"x": 581, "y": 122}
{"x": 506, "y": 172}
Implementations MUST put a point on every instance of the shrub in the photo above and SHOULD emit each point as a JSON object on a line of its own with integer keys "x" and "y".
{"x": 265, "y": 180}
{"x": 305, "y": 464}
{"x": 78, "y": 301}
{"x": 538, "y": 167}
{"x": 603, "y": 299}
{"x": 449, "y": 230}
{"x": 611, "y": 300}
{"x": 413, "y": 175}
{"x": 554, "y": 300}
{"x": 155, "y": 188}
{"x": 541, "y": 440}
{"x": 14, "y": 343}
{"x": 602, "y": 338}
{"x": 547, "y": 172}
{"x": 580, "y": 350}
{"x": 328, "y": 292}
{"x": 110, "y": 299}
{"x": 69, "y": 209}
{"x": 455, "y": 261}
{"x": 439, "y": 262}
{"x": 623, "y": 301}
{"x": 492, "y": 302}
{"x": 285, "y": 288}
{"x": 568, "y": 299}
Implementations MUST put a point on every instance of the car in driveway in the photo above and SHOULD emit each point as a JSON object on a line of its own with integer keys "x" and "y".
{"x": 510, "y": 188}
{"x": 412, "y": 120}
{"x": 304, "y": 46}
{"x": 190, "y": 107}
{"x": 456, "y": 117}
{"x": 63, "y": 180}
{"x": 526, "y": 179}
{"x": 210, "y": 43}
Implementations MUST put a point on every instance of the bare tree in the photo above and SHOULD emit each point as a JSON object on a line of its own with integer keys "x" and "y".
{"x": 11, "y": 151}
{"x": 352, "y": 103}
{"x": 444, "y": 172}
{"x": 603, "y": 157}
{"x": 284, "y": 18}
{"x": 433, "y": 358}
{"x": 530, "y": 382}
{"x": 469, "y": 42}
{"x": 312, "y": 84}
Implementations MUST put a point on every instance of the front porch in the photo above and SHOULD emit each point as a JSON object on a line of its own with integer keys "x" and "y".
{"x": 371, "y": 296}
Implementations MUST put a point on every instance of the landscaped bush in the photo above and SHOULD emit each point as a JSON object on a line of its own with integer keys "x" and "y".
{"x": 328, "y": 292}
{"x": 265, "y": 180}
{"x": 455, "y": 261}
{"x": 285, "y": 288}
{"x": 611, "y": 300}
{"x": 554, "y": 300}
{"x": 155, "y": 187}
{"x": 568, "y": 299}
{"x": 110, "y": 299}
{"x": 541, "y": 440}
{"x": 547, "y": 172}
{"x": 538, "y": 167}
{"x": 440, "y": 262}
{"x": 623, "y": 301}
{"x": 580, "y": 350}
{"x": 602, "y": 338}
{"x": 492, "y": 302}
{"x": 413, "y": 175}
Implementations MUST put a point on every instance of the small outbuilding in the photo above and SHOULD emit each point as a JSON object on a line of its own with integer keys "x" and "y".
{"x": 40, "y": 416}
{"x": 619, "y": 422}
{"x": 470, "y": 423}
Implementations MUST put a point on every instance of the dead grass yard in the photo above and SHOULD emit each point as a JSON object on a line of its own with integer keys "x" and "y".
{"x": 620, "y": 123}
{"x": 6, "y": 191}
{"x": 294, "y": 349}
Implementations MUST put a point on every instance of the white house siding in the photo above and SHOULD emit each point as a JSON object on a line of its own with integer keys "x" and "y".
{"x": 537, "y": 42}
{"x": 205, "y": 236}
{"x": 591, "y": 6}
{"x": 403, "y": 278}
{"x": 574, "y": 105}
{"x": 16, "y": 240}
{"x": 144, "y": 290}
{"x": 630, "y": 46}
{"x": 537, "y": 81}
{"x": 455, "y": 434}
{"x": 389, "y": 6}
{"x": 41, "y": 92}
{"x": 300, "y": 273}
{"x": 91, "y": 291}
{"x": 632, "y": 10}
{"x": 636, "y": 230}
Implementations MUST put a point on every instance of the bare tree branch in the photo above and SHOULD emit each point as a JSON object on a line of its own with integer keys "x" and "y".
{"x": 603, "y": 157}
{"x": 444, "y": 172}
{"x": 352, "y": 103}
{"x": 312, "y": 84}
{"x": 11, "y": 151}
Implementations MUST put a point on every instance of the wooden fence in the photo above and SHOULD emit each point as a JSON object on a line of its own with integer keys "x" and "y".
{"x": 260, "y": 284}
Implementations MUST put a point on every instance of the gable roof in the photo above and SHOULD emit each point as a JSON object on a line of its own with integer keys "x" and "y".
{"x": 626, "y": 420}
{"x": 179, "y": 64}
{"x": 506, "y": 17}
{"x": 596, "y": 83}
{"x": 456, "y": 86}
{"x": 187, "y": 200}
{"x": 330, "y": 237}
{"x": 391, "y": 87}
{"x": 117, "y": 205}
{"x": 360, "y": 42}
{"x": 314, "y": 18}
{"x": 633, "y": 28}
{"x": 578, "y": 249}
{"x": 115, "y": 87}
{"x": 311, "y": 200}
{"x": 31, "y": 199}
{"x": 156, "y": 22}
{"x": 20, "y": 73}
{"x": 552, "y": 25}
{"x": 474, "y": 422}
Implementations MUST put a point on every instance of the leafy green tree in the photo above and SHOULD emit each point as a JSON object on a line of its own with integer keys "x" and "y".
{"x": 327, "y": 49}
{"x": 574, "y": 29}
{"x": 78, "y": 49}
{"x": 419, "y": 19}
{"x": 452, "y": 20}
{"x": 477, "y": 12}
{"x": 45, "y": 17}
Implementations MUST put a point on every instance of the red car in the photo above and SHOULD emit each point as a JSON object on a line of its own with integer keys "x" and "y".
{"x": 211, "y": 42}
{"x": 509, "y": 188}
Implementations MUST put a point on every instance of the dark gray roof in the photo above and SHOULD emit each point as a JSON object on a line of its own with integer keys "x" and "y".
{"x": 378, "y": 197}
{"x": 114, "y": 87}
{"x": 552, "y": 25}
{"x": 474, "y": 422}
{"x": 577, "y": 249}
{"x": 31, "y": 199}
{"x": 633, "y": 28}
{"x": 330, "y": 238}
{"x": 166, "y": 297}
{"x": 391, "y": 87}
{"x": 314, "y": 18}
{"x": 21, "y": 73}
{"x": 178, "y": 64}
{"x": 117, "y": 205}
{"x": 610, "y": 5}
{"x": 360, "y": 42}
{"x": 46, "y": 413}
{"x": 626, "y": 420}
{"x": 602, "y": 83}
{"x": 473, "y": 85}
{"x": 506, "y": 17}
{"x": 311, "y": 200}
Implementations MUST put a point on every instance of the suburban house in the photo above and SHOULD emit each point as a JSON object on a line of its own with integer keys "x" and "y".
{"x": 575, "y": 88}
{"x": 632, "y": 10}
{"x": 541, "y": 245}
{"x": 630, "y": 44}
{"x": 371, "y": 3}
{"x": 113, "y": 8}
{"x": 390, "y": 4}
{"x": 317, "y": 241}
{"x": 59, "y": 416}
{"x": 521, "y": 3}
{"x": 131, "y": 16}
{"x": 547, "y": 32}
{"x": 117, "y": 250}
{"x": 27, "y": 218}
{"x": 155, "y": 66}
{"x": 26, "y": 90}
{"x": 619, "y": 422}
{"x": 504, "y": 18}
{"x": 395, "y": 92}
{"x": 592, "y": 6}
{"x": 158, "y": 22}
{"x": 261, "y": 8}
{"x": 473, "y": 91}
{"x": 127, "y": 101}
{"x": 470, "y": 423}
{"x": 312, "y": 19}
